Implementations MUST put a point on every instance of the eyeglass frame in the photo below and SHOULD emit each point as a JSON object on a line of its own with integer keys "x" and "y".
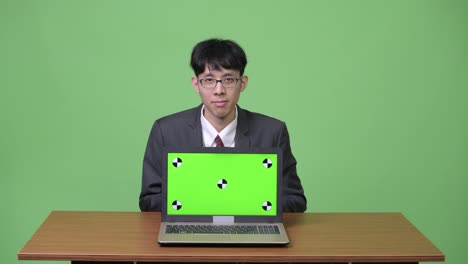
{"x": 220, "y": 81}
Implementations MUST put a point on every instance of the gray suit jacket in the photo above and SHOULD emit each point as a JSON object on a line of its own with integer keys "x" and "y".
{"x": 184, "y": 129}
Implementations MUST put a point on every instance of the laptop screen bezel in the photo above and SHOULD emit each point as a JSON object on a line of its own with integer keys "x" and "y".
{"x": 209, "y": 218}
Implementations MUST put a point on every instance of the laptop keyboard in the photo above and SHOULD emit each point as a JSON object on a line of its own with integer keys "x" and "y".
{"x": 222, "y": 229}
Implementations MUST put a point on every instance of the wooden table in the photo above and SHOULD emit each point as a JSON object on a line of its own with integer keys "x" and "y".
{"x": 315, "y": 238}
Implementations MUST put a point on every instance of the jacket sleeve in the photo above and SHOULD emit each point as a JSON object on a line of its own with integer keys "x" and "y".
{"x": 294, "y": 199}
{"x": 150, "y": 196}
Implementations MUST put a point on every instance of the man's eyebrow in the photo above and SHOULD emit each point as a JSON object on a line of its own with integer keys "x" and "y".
{"x": 226, "y": 74}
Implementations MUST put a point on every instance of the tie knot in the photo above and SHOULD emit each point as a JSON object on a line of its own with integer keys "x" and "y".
{"x": 218, "y": 141}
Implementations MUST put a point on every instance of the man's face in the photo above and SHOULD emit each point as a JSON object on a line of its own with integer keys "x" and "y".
{"x": 220, "y": 102}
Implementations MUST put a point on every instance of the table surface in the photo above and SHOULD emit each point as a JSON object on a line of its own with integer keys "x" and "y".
{"x": 315, "y": 237}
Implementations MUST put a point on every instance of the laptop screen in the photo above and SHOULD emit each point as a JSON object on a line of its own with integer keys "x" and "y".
{"x": 221, "y": 182}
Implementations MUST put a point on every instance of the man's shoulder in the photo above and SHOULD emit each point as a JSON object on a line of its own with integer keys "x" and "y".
{"x": 188, "y": 114}
{"x": 179, "y": 120}
{"x": 261, "y": 118}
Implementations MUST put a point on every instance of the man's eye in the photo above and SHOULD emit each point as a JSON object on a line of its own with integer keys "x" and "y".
{"x": 229, "y": 80}
{"x": 208, "y": 80}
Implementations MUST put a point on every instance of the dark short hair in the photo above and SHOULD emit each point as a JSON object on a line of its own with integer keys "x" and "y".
{"x": 217, "y": 53}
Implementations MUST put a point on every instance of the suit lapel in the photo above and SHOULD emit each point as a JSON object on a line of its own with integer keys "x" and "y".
{"x": 196, "y": 139}
{"x": 242, "y": 132}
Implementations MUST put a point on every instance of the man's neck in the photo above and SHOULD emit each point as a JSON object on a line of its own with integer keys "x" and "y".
{"x": 220, "y": 123}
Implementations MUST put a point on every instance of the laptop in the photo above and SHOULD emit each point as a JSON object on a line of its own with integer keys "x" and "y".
{"x": 222, "y": 196}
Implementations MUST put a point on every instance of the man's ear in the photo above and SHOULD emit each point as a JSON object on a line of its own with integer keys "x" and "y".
{"x": 195, "y": 84}
{"x": 244, "y": 80}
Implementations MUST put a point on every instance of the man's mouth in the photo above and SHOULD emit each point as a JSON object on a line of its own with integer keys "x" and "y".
{"x": 220, "y": 103}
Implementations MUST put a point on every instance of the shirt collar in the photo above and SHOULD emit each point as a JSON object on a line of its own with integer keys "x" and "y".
{"x": 227, "y": 135}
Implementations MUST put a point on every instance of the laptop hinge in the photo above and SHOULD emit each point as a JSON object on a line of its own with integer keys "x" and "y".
{"x": 223, "y": 219}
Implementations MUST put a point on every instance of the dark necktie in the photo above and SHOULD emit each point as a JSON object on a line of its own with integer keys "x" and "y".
{"x": 218, "y": 141}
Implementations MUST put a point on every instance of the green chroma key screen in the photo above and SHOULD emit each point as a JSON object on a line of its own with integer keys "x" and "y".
{"x": 221, "y": 184}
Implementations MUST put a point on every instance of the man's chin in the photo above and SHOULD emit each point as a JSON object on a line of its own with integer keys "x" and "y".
{"x": 221, "y": 113}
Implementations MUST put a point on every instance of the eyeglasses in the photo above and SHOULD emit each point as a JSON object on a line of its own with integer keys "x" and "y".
{"x": 227, "y": 82}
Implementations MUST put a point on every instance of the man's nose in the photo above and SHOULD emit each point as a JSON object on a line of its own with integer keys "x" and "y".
{"x": 219, "y": 88}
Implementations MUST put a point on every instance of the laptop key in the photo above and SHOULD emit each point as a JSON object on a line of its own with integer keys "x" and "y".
{"x": 222, "y": 229}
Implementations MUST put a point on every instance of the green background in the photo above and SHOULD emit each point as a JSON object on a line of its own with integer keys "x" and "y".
{"x": 194, "y": 184}
{"x": 374, "y": 93}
